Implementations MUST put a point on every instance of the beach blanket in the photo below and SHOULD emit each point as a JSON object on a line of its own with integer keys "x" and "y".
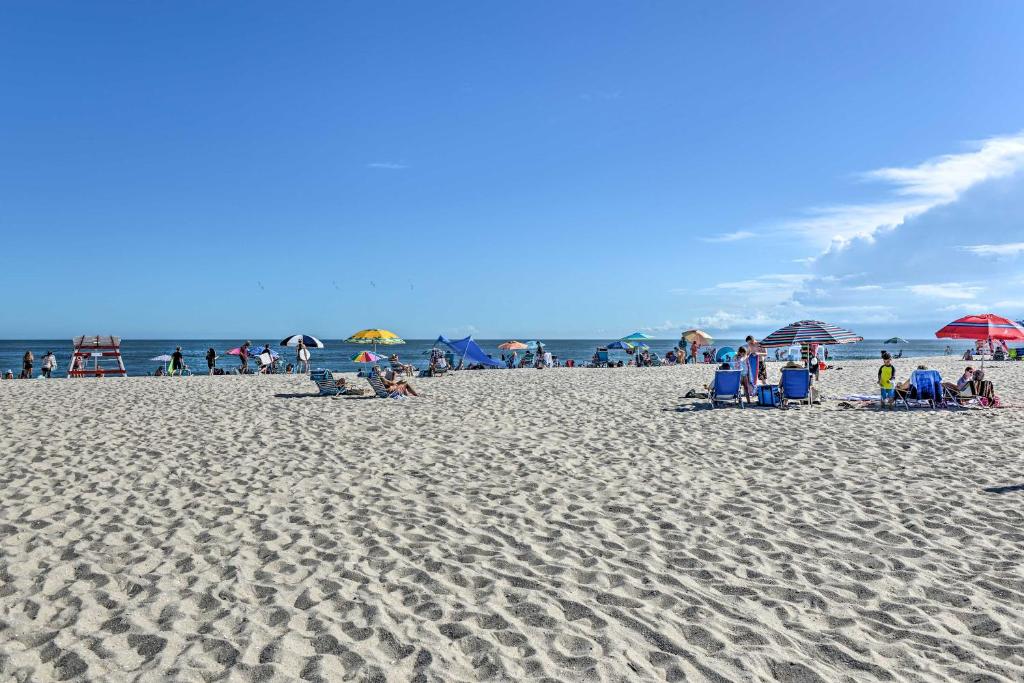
{"x": 871, "y": 401}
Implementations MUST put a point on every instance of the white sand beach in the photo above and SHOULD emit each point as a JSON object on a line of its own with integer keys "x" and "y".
{"x": 565, "y": 524}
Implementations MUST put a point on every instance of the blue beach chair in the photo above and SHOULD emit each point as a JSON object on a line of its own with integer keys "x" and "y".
{"x": 725, "y": 388}
{"x": 326, "y": 383}
{"x": 795, "y": 385}
{"x": 928, "y": 387}
{"x": 602, "y": 357}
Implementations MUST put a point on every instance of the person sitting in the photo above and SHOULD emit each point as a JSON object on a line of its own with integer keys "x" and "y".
{"x": 984, "y": 389}
{"x": 968, "y": 355}
{"x": 396, "y": 364}
{"x": 906, "y": 388}
{"x": 396, "y": 386}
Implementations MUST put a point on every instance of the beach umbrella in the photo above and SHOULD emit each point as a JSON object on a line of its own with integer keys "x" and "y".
{"x": 620, "y": 345}
{"x": 895, "y": 340}
{"x": 366, "y": 357}
{"x": 163, "y": 358}
{"x": 512, "y": 346}
{"x": 700, "y": 336}
{"x": 375, "y": 336}
{"x": 533, "y": 344}
{"x": 725, "y": 354}
{"x": 810, "y": 332}
{"x": 309, "y": 340}
{"x": 983, "y": 326}
{"x": 636, "y": 336}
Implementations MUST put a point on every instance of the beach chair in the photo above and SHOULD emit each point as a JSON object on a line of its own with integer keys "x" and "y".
{"x": 378, "y": 385}
{"x": 326, "y": 383}
{"x": 528, "y": 360}
{"x": 655, "y": 360}
{"x": 400, "y": 368}
{"x": 602, "y": 357}
{"x": 795, "y": 385}
{"x": 928, "y": 387}
{"x": 725, "y": 388}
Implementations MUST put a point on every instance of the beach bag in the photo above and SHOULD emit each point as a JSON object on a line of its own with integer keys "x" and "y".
{"x": 768, "y": 395}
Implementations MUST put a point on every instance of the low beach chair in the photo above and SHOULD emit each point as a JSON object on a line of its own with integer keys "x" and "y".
{"x": 795, "y": 385}
{"x": 326, "y": 383}
{"x": 602, "y": 357}
{"x": 378, "y": 385}
{"x": 928, "y": 387}
{"x": 725, "y": 388}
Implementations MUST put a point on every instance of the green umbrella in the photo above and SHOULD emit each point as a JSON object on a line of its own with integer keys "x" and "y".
{"x": 895, "y": 340}
{"x": 636, "y": 336}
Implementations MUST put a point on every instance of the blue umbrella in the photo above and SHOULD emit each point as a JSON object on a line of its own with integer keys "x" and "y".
{"x": 636, "y": 336}
{"x": 621, "y": 345}
{"x": 725, "y": 354}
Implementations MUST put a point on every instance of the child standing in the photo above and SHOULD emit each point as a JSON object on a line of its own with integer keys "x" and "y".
{"x": 886, "y": 380}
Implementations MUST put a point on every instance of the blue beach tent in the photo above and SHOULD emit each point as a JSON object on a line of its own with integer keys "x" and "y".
{"x": 468, "y": 350}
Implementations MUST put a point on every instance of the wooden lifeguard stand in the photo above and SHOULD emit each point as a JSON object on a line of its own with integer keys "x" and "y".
{"x": 96, "y": 357}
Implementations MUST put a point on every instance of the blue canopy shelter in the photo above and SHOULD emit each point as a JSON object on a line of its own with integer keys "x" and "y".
{"x": 469, "y": 351}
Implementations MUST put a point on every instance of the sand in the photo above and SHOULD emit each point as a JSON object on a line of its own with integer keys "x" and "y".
{"x": 568, "y": 524}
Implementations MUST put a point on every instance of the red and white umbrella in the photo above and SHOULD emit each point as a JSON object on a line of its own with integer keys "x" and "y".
{"x": 983, "y": 326}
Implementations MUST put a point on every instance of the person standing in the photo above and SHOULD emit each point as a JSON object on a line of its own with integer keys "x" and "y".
{"x": 887, "y": 382}
{"x": 243, "y": 355}
{"x": 27, "y": 361}
{"x": 177, "y": 362}
{"x": 49, "y": 364}
{"x": 211, "y": 359}
{"x": 693, "y": 351}
{"x": 302, "y": 357}
{"x": 742, "y": 363}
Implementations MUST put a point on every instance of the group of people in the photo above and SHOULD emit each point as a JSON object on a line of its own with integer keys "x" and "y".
{"x": 971, "y": 384}
{"x": 28, "y": 361}
{"x": 178, "y": 366}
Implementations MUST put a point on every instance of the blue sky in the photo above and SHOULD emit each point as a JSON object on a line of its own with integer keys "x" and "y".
{"x": 554, "y": 169}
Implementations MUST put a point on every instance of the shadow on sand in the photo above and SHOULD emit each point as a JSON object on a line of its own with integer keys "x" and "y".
{"x": 1004, "y": 489}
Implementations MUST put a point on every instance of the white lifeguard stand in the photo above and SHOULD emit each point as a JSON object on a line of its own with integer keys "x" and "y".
{"x": 98, "y": 356}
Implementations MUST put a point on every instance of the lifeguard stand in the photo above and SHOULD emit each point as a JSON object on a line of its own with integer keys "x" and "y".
{"x": 96, "y": 357}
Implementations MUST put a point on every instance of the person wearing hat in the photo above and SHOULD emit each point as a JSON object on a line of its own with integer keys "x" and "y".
{"x": 49, "y": 364}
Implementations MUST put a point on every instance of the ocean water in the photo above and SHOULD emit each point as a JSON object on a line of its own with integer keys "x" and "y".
{"x": 337, "y": 354}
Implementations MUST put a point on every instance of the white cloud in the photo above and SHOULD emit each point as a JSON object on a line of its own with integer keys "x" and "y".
{"x": 946, "y": 290}
{"x": 389, "y": 165}
{"x": 1008, "y": 250}
{"x": 729, "y": 236}
{"x": 724, "y": 320}
{"x": 766, "y": 283}
{"x": 919, "y": 188}
{"x": 667, "y": 326}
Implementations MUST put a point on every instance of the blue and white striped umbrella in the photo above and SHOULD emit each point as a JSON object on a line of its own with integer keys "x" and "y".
{"x": 810, "y": 332}
{"x": 310, "y": 341}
